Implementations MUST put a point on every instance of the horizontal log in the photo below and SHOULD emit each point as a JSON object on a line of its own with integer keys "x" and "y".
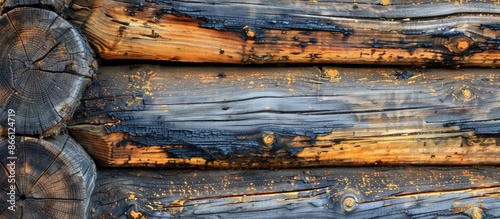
{"x": 423, "y": 192}
{"x": 145, "y": 115}
{"x": 421, "y": 32}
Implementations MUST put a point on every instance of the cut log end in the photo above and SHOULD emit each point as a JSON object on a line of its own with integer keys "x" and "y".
{"x": 45, "y": 178}
{"x": 44, "y": 66}
{"x": 53, "y": 5}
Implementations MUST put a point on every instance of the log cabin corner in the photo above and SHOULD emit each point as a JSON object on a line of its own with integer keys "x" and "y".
{"x": 249, "y": 109}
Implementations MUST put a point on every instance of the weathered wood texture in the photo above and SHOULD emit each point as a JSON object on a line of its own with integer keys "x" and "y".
{"x": 423, "y": 192}
{"x": 289, "y": 117}
{"x": 407, "y": 32}
{"x": 45, "y": 64}
{"x": 54, "y": 5}
{"x": 54, "y": 178}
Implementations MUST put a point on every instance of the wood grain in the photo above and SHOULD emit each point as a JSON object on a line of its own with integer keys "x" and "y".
{"x": 146, "y": 115}
{"x": 407, "y": 192}
{"x": 406, "y": 32}
{"x": 54, "y": 5}
{"x": 45, "y": 64}
{"x": 54, "y": 178}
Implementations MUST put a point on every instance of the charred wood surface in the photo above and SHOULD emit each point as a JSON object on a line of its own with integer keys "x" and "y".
{"x": 408, "y": 32}
{"x": 290, "y": 117}
{"x": 45, "y": 64}
{"x": 52, "y": 178}
{"x": 423, "y": 192}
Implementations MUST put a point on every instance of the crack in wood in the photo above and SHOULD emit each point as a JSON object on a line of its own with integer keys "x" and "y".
{"x": 269, "y": 33}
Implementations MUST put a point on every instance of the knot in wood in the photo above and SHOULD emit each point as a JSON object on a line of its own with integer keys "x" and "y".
{"x": 268, "y": 138}
{"x": 458, "y": 44}
{"x": 349, "y": 202}
{"x": 465, "y": 93}
{"x": 385, "y": 2}
{"x": 462, "y": 44}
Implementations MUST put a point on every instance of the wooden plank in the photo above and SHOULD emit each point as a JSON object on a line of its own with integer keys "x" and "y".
{"x": 407, "y": 192}
{"x": 44, "y": 178}
{"x": 146, "y": 115}
{"x": 405, "y": 32}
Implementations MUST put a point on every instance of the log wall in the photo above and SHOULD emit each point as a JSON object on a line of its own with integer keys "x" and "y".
{"x": 220, "y": 117}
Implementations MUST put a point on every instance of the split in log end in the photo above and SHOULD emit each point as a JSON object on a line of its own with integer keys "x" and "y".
{"x": 45, "y": 64}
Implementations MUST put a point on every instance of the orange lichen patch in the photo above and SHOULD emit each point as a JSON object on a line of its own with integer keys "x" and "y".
{"x": 467, "y": 93}
{"x": 433, "y": 91}
{"x": 136, "y": 215}
{"x": 476, "y": 213}
{"x": 464, "y": 77}
{"x": 142, "y": 80}
{"x": 131, "y": 197}
{"x": 249, "y": 32}
{"x": 176, "y": 206}
{"x": 385, "y": 2}
{"x": 333, "y": 74}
